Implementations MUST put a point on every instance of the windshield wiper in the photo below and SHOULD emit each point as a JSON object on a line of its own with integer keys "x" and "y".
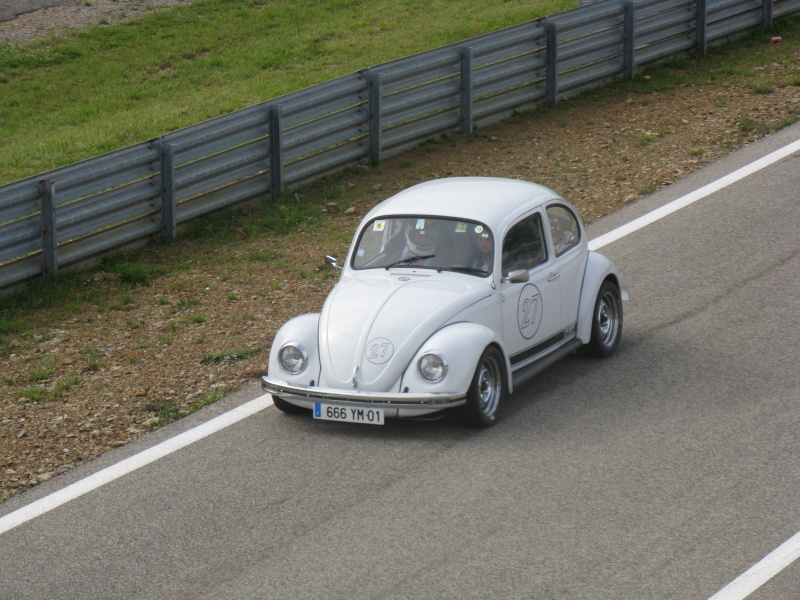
{"x": 463, "y": 269}
{"x": 409, "y": 260}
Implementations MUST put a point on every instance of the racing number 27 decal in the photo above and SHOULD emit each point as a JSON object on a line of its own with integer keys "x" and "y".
{"x": 379, "y": 350}
{"x": 529, "y": 312}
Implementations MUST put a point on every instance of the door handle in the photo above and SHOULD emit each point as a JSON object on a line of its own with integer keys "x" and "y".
{"x": 553, "y": 276}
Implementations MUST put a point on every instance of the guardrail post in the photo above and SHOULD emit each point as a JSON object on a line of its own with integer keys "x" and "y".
{"x": 766, "y": 14}
{"x": 551, "y": 83}
{"x": 629, "y": 41}
{"x": 168, "y": 220}
{"x": 466, "y": 89}
{"x": 47, "y": 187}
{"x": 702, "y": 26}
{"x": 375, "y": 92}
{"x": 276, "y": 151}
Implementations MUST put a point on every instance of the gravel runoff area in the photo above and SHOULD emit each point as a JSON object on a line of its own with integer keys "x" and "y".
{"x": 107, "y": 374}
{"x": 21, "y": 25}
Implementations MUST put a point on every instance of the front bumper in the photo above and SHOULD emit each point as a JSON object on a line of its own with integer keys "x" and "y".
{"x": 404, "y": 403}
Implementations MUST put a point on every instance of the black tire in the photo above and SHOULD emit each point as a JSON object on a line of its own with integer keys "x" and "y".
{"x": 487, "y": 391}
{"x": 606, "y": 321}
{"x": 284, "y": 406}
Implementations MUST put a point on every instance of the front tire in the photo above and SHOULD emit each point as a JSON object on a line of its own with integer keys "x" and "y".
{"x": 487, "y": 391}
{"x": 287, "y": 407}
{"x": 606, "y": 321}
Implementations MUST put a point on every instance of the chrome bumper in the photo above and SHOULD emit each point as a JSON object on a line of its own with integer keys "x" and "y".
{"x": 433, "y": 401}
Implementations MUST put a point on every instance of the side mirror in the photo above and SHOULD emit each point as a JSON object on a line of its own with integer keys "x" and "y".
{"x": 332, "y": 262}
{"x": 518, "y": 276}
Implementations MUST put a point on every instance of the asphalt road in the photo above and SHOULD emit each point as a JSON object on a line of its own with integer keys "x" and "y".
{"x": 10, "y": 9}
{"x": 663, "y": 472}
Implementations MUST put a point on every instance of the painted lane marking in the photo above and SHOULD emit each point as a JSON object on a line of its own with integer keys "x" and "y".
{"x": 691, "y": 198}
{"x": 761, "y": 572}
{"x": 124, "y": 467}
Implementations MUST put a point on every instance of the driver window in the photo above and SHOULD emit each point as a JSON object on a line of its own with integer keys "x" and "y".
{"x": 523, "y": 247}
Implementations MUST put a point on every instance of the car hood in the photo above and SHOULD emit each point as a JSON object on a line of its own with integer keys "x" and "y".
{"x": 371, "y": 327}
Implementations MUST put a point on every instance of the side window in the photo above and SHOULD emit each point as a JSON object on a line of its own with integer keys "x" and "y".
{"x": 564, "y": 228}
{"x": 524, "y": 247}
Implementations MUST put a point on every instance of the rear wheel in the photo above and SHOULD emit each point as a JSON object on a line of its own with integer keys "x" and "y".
{"x": 287, "y": 407}
{"x": 487, "y": 390}
{"x": 606, "y": 321}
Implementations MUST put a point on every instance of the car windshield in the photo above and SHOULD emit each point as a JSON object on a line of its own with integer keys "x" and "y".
{"x": 428, "y": 242}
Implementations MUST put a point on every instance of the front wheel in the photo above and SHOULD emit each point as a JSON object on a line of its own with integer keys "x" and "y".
{"x": 487, "y": 390}
{"x": 287, "y": 407}
{"x": 606, "y": 321}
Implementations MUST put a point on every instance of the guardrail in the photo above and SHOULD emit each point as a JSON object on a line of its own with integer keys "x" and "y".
{"x": 84, "y": 211}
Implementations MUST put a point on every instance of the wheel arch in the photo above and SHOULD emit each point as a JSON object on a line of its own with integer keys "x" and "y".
{"x": 599, "y": 269}
{"x": 506, "y": 365}
{"x": 463, "y": 343}
{"x": 303, "y": 329}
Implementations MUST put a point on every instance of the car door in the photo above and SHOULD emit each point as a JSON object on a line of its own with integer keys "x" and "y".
{"x": 569, "y": 254}
{"x": 529, "y": 292}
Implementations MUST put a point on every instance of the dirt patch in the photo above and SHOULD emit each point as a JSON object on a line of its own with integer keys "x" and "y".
{"x": 75, "y": 14}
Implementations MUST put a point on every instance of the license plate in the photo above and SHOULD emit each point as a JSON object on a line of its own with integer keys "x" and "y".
{"x": 348, "y": 414}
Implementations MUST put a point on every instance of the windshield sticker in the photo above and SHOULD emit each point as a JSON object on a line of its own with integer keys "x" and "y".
{"x": 420, "y": 223}
{"x": 478, "y": 228}
{"x": 461, "y": 227}
{"x": 378, "y": 226}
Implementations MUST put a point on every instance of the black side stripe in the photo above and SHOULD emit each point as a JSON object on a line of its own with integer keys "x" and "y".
{"x": 554, "y": 340}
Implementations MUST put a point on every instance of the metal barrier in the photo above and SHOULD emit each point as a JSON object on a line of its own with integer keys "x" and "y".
{"x": 84, "y": 211}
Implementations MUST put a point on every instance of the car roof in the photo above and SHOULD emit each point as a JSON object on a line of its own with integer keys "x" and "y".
{"x": 490, "y": 200}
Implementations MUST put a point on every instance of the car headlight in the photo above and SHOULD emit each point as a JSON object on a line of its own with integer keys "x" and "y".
{"x": 432, "y": 367}
{"x": 293, "y": 357}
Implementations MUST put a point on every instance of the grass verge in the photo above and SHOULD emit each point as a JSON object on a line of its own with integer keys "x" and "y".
{"x": 91, "y": 92}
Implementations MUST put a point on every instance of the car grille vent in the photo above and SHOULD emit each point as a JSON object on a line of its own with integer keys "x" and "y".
{"x": 405, "y": 276}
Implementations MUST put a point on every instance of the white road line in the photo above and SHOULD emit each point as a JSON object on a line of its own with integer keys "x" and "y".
{"x": 706, "y": 190}
{"x": 109, "y": 474}
{"x": 761, "y": 572}
{"x": 738, "y": 589}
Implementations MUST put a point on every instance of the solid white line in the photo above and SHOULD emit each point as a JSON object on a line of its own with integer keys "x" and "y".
{"x": 706, "y": 190}
{"x": 761, "y": 572}
{"x": 109, "y": 474}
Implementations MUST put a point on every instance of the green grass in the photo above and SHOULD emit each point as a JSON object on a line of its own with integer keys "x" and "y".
{"x": 92, "y": 92}
{"x": 39, "y": 393}
{"x": 44, "y": 372}
{"x": 228, "y": 356}
{"x": 742, "y": 60}
{"x": 187, "y": 303}
{"x": 168, "y": 410}
{"x": 35, "y": 393}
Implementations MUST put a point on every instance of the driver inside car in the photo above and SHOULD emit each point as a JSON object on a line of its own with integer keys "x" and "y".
{"x": 482, "y": 259}
{"x": 422, "y": 238}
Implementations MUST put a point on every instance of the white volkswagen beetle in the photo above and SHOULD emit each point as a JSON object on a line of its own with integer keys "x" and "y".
{"x": 453, "y": 293}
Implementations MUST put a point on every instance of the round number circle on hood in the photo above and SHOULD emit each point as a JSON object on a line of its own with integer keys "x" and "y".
{"x": 379, "y": 351}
